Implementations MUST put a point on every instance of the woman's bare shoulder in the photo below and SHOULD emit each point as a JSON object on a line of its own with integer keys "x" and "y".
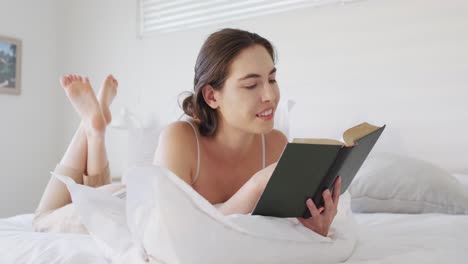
{"x": 179, "y": 129}
{"x": 277, "y": 137}
{"x": 177, "y": 149}
{"x": 275, "y": 141}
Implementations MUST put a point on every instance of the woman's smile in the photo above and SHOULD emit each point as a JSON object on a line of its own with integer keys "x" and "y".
{"x": 266, "y": 114}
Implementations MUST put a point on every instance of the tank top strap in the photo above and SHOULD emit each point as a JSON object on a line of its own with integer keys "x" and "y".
{"x": 263, "y": 152}
{"x": 198, "y": 151}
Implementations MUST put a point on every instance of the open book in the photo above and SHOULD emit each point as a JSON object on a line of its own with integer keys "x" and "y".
{"x": 307, "y": 167}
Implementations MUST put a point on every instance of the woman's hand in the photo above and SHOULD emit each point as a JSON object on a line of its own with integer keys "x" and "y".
{"x": 322, "y": 218}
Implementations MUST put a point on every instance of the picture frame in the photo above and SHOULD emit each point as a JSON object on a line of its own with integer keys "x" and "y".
{"x": 10, "y": 65}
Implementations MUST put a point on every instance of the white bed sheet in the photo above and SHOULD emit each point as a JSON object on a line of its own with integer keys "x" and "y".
{"x": 384, "y": 238}
{"x": 20, "y": 244}
{"x": 411, "y": 238}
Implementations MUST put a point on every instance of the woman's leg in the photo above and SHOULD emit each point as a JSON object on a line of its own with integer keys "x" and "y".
{"x": 75, "y": 160}
{"x": 72, "y": 164}
{"x": 97, "y": 167}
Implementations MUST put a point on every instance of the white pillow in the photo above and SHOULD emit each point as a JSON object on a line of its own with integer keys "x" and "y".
{"x": 143, "y": 128}
{"x": 389, "y": 183}
{"x": 142, "y": 144}
{"x": 462, "y": 178}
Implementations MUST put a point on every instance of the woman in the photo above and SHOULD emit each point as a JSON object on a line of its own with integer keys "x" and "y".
{"x": 226, "y": 151}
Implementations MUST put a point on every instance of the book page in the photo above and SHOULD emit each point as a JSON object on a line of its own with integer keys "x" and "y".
{"x": 320, "y": 141}
{"x": 356, "y": 132}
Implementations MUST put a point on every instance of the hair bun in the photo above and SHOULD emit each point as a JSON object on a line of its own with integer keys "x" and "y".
{"x": 188, "y": 104}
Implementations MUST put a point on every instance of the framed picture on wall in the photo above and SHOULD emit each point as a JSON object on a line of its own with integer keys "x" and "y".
{"x": 10, "y": 65}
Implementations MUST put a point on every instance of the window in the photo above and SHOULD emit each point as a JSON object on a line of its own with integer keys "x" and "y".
{"x": 174, "y": 15}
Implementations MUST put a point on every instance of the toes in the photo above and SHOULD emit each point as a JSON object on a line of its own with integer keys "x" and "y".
{"x": 114, "y": 81}
{"x": 67, "y": 80}
{"x": 63, "y": 81}
{"x": 110, "y": 80}
{"x": 76, "y": 78}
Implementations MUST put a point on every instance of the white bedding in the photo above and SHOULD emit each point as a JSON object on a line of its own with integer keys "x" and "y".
{"x": 411, "y": 238}
{"x": 384, "y": 238}
{"x": 20, "y": 244}
{"x": 166, "y": 221}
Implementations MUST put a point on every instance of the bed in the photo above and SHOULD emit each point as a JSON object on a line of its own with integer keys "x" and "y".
{"x": 411, "y": 238}
{"x": 382, "y": 238}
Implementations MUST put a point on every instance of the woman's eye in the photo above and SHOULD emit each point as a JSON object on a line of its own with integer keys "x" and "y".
{"x": 255, "y": 85}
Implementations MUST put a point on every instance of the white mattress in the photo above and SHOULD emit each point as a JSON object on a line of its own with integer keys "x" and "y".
{"x": 384, "y": 238}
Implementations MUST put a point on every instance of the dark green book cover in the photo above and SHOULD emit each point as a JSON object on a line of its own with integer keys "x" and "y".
{"x": 306, "y": 170}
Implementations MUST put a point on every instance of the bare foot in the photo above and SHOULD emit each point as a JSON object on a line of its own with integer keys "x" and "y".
{"x": 82, "y": 97}
{"x": 106, "y": 96}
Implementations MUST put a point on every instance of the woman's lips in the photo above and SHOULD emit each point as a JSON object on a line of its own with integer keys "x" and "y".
{"x": 267, "y": 114}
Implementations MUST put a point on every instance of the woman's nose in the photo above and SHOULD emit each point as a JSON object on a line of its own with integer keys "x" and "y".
{"x": 269, "y": 93}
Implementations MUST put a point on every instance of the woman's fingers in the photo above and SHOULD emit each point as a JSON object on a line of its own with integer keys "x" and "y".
{"x": 337, "y": 190}
{"x": 305, "y": 222}
{"x": 314, "y": 212}
{"x": 330, "y": 201}
{"x": 327, "y": 197}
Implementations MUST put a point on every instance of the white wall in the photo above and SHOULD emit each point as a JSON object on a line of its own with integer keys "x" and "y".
{"x": 399, "y": 62}
{"x": 32, "y": 122}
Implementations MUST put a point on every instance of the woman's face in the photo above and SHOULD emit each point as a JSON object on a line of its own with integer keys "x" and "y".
{"x": 250, "y": 94}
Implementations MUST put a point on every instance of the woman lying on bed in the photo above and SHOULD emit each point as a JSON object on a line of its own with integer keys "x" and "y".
{"x": 229, "y": 142}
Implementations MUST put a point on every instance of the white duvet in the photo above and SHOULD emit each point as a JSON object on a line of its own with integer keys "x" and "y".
{"x": 382, "y": 238}
{"x": 167, "y": 221}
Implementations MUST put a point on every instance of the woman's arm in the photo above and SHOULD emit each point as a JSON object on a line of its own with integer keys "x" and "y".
{"x": 245, "y": 199}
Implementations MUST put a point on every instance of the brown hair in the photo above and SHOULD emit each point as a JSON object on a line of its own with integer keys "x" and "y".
{"x": 212, "y": 68}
